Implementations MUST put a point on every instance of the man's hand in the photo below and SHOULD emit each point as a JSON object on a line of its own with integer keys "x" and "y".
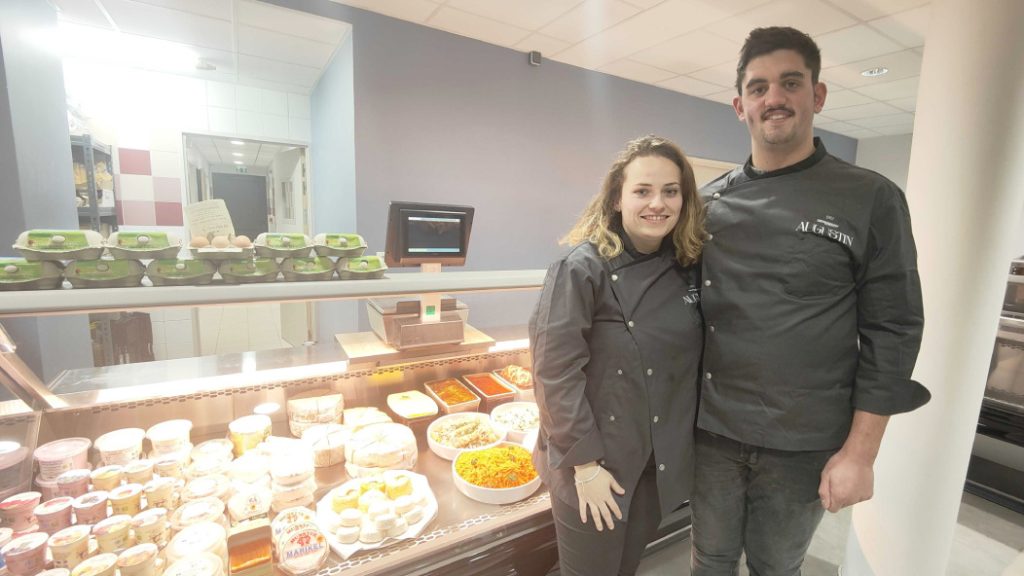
{"x": 845, "y": 481}
{"x": 594, "y": 487}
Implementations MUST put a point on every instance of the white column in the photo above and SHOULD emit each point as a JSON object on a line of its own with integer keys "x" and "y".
{"x": 966, "y": 195}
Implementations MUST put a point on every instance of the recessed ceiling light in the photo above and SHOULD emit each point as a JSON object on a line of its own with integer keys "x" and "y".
{"x": 239, "y": 154}
{"x": 238, "y": 143}
{"x": 873, "y": 72}
{"x": 239, "y": 162}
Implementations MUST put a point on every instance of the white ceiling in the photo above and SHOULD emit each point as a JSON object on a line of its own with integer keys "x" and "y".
{"x": 249, "y": 42}
{"x": 690, "y": 46}
{"x": 223, "y": 153}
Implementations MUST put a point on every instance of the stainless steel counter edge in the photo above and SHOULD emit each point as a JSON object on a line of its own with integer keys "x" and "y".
{"x": 78, "y": 301}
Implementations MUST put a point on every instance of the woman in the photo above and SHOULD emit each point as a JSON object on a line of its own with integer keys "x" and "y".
{"x": 616, "y": 340}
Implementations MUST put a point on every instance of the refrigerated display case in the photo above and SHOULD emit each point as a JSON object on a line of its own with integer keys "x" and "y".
{"x": 466, "y": 537}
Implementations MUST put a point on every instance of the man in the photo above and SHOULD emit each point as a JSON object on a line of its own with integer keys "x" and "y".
{"x": 813, "y": 314}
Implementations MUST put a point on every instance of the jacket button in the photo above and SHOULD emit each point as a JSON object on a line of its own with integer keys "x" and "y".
{"x": 612, "y": 418}
{"x": 711, "y": 237}
{"x": 602, "y": 461}
{"x": 661, "y": 467}
{"x": 649, "y": 371}
{"x": 707, "y": 282}
{"x": 615, "y": 277}
{"x": 630, "y": 323}
{"x": 712, "y": 327}
{"x": 620, "y": 372}
{"x": 716, "y": 195}
{"x": 707, "y": 375}
{"x": 655, "y": 419}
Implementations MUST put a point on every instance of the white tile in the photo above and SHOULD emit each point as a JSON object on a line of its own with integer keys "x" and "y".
{"x": 870, "y": 9}
{"x": 136, "y": 187}
{"x": 82, "y": 12}
{"x": 903, "y": 64}
{"x": 275, "y": 126}
{"x": 298, "y": 105}
{"x": 156, "y": 315}
{"x": 908, "y": 28}
{"x": 843, "y": 98}
{"x": 220, "y": 94}
{"x": 863, "y": 111}
{"x": 250, "y": 123}
{"x": 172, "y": 25}
{"x": 167, "y": 164}
{"x": 724, "y": 97}
{"x": 895, "y": 130}
{"x": 908, "y": 104}
{"x": 273, "y": 102}
{"x": 628, "y": 69}
{"x": 220, "y": 9}
{"x": 166, "y": 139}
{"x": 811, "y": 16}
{"x": 178, "y": 314}
{"x": 894, "y": 90}
{"x": 526, "y": 14}
{"x": 193, "y": 119}
{"x": 546, "y": 45}
{"x": 473, "y": 26}
{"x": 159, "y": 351}
{"x": 176, "y": 349}
{"x": 724, "y": 74}
{"x": 294, "y": 22}
{"x": 279, "y": 73}
{"x": 884, "y": 120}
{"x": 853, "y": 44}
{"x": 834, "y": 126}
{"x": 694, "y": 87}
{"x": 690, "y": 52}
{"x": 299, "y": 129}
{"x": 859, "y": 133}
{"x": 589, "y": 18}
{"x": 411, "y": 10}
{"x": 270, "y": 44}
{"x": 247, "y": 98}
{"x": 222, "y": 120}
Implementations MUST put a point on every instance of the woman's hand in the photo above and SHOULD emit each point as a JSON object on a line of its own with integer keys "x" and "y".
{"x": 594, "y": 487}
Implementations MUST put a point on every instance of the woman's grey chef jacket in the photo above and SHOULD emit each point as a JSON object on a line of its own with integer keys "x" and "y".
{"x": 616, "y": 346}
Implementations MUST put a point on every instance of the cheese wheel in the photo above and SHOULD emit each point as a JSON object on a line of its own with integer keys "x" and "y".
{"x": 403, "y": 504}
{"x": 370, "y": 534}
{"x": 351, "y": 517}
{"x": 327, "y": 442}
{"x": 380, "y": 447}
{"x": 356, "y": 418}
{"x": 318, "y": 405}
{"x": 400, "y": 527}
{"x": 377, "y": 509}
{"x": 369, "y": 498}
{"x": 385, "y": 522}
{"x": 348, "y": 534}
{"x": 415, "y": 515}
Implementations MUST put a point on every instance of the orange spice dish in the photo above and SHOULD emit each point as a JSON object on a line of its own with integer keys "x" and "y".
{"x": 505, "y": 466}
{"x": 452, "y": 392}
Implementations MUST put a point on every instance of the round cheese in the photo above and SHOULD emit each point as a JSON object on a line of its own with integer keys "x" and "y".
{"x": 380, "y": 447}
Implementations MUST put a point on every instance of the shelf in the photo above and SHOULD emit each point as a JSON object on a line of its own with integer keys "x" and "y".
{"x": 104, "y": 212}
{"x": 80, "y": 301}
{"x": 82, "y": 141}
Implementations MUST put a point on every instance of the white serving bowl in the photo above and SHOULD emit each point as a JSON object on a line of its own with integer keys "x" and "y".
{"x": 514, "y": 434}
{"x": 494, "y": 495}
{"x": 449, "y": 452}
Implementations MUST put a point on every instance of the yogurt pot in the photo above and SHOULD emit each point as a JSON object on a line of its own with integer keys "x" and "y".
{"x": 17, "y": 511}
{"x": 247, "y": 432}
{"x": 107, "y": 477}
{"x": 199, "y": 565}
{"x": 90, "y": 508}
{"x": 70, "y": 546}
{"x": 12, "y": 455}
{"x": 54, "y": 515}
{"x": 120, "y": 446}
{"x": 221, "y": 449}
{"x": 169, "y": 435}
{"x": 171, "y": 465}
{"x": 73, "y": 483}
{"x": 139, "y": 560}
{"x": 26, "y": 555}
{"x": 6, "y": 535}
{"x": 152, "y": 526}
{"x": 216, "y": 485}
{"x": 126, "y": 499}
{"x": 100, "y": 565}
{"x": 55, "y": 572}
{"x": 207, "y": 509}
{"x": 139, "y": 471}
{"x": 160, "y": 493}
{"x": 62, "y": 455}
{"x": 48, "y": 488}
{"x": 114, "y": 533}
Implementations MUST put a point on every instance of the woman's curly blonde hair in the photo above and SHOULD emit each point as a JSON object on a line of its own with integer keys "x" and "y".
{"x": 595, "y": 224}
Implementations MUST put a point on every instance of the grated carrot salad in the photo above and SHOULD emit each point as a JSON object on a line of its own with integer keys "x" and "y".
{"x": 498, "y": 467}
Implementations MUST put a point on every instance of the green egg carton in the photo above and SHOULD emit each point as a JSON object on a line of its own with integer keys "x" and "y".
{"x": 59, "y": 245}
{"x": 339, "y": 245}
{"x": 175, "y": 272}
{"x": 362, "y": 268}
{"x": 143, "y": 245}
{"x": 306, "y": 269}
{"x": 281, "y": 245}
{"x": 249, "y": 271}
{"x": 23, "y": 274}
{"x": 105, "y": 273}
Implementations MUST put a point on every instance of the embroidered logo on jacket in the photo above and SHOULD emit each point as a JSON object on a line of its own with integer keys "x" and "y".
{"x": 692, "y": 296}
{"x": 826, "y": 228}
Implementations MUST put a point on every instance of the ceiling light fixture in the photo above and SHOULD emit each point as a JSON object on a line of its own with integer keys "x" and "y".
{"x": 204, "y": 64}
{"x": 238, "y": 143}
{"x": 875, "y": 72}
{"x": 238, "y": 154}
{"x": 239, "y": 162}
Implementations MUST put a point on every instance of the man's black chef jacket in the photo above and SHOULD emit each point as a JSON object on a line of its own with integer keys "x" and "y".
{"x": 812, "y": 303}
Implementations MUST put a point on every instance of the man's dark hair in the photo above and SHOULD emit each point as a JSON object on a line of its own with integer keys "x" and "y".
{"x": 763, "y": 41}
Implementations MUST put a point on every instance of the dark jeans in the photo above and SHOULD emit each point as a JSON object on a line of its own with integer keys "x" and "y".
{"x": 758, "y": 500}
{"x": 583, "y": 551}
